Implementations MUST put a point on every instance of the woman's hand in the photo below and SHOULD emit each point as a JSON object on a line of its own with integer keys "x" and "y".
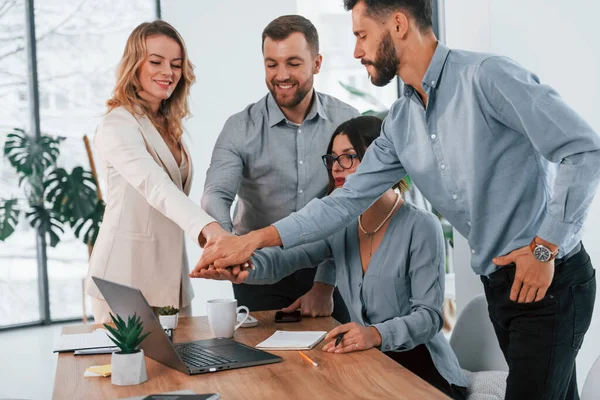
{"x": 237, "y": 274}
{"x": 356, "y": 337}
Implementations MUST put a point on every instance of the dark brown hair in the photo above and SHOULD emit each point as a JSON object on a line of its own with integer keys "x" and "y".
{"x": 282, "y": 27}
{"x": 420, "y": 10}
{"x": 361, "y": 132}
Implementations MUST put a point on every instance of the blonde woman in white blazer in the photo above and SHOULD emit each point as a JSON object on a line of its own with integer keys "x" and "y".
{"x": 148, "y": 174}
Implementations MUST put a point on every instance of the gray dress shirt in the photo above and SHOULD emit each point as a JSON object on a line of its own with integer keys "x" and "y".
{"x": 273, "y": 165}
{"x": 500, "y": 155}
{"x": 402, "y": 291}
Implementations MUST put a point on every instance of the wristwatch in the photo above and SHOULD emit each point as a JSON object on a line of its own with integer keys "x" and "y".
{"x": 541, "y": 252}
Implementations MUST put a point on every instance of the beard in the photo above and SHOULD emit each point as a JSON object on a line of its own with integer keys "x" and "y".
{"x": 386, "y": 62}
{"x": 290, "y": 100}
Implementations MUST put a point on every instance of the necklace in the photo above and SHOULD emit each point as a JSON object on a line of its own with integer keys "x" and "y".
{"x": 370, "y": 234}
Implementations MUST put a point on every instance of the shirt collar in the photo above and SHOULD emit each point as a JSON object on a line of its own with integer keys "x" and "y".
{"x": 276, "y": 115}
{"x": 432, "y": 75}
{"x": 436, "y": 66}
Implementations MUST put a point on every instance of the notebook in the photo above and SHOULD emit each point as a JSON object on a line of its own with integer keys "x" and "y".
{"x": 78, "y": 341}
{"x": 292, "y": 340}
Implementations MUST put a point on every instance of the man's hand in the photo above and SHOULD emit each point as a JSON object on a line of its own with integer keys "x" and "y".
{"x": 224, "y": 251}
{"x": 317, "y": 302}
{"x": 233, "y": 274}
{"x": 532, "y": 277}
{"x": 211, "y": 231}
{"x": 356, "y": 337}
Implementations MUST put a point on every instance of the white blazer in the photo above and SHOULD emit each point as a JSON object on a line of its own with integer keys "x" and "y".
{"x": 141, "y": 239}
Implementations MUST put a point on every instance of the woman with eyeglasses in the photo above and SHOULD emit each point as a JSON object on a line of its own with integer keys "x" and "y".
{"x": 390, "y": 267}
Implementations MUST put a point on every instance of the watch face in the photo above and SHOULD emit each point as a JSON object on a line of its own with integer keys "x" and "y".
{"x": 541, "y": 253}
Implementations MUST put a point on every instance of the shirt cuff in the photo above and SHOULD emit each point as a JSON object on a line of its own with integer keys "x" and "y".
{"x": 325, "y": 274}
{"x": 227, "y": 225}
{"x": 557, "y": 232}
{"x": 252, "y": 275}
{"x": 386, "y": 337}
{"x": 289, "y": 231}
{"x": 197, "y": 226}
{"x": 256, "y": 277}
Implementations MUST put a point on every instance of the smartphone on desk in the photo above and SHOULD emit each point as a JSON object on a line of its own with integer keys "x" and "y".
{"x": 294, "y": 316}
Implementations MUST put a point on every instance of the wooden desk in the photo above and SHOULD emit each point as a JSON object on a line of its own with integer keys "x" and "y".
{"x": 365, "y": 374}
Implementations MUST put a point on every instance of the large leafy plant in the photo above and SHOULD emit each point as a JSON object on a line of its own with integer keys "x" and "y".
{"x": 53, "y": 197}
{"x": 128, "y": 336}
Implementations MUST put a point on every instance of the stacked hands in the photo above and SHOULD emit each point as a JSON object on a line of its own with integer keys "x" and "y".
{"x": 227, "y": 257}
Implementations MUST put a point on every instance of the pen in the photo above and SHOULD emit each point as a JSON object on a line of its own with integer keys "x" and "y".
{"x": 307, "y": 358}
{"x": 338, "y": 339}
{"x": 99, "y": 350}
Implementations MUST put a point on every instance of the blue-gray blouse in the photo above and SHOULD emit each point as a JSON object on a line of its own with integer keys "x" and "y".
{"x": 402, "y": 291}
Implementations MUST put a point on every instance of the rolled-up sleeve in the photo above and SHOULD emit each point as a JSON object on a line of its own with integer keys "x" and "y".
{"x": 518, "y": 100}
{"x": 224, "y": 174}
{"x": 426, "y": 274}
{"x": 326, "y": 273}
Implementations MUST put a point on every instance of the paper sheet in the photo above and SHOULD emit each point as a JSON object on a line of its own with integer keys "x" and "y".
{"x": 96, "y": 339}
{"x": 292, "y": 340}
{"x": 99, "y": 370}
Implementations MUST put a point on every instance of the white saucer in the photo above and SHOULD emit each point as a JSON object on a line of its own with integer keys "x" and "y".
{"x": 249, "y": 323}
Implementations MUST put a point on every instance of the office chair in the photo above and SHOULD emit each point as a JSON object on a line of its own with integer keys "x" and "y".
{"x": 591, "y": 387}
{"x": 474, "y": 342}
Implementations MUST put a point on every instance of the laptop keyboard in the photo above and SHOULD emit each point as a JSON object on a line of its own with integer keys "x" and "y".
{"x": 198, "y": 356}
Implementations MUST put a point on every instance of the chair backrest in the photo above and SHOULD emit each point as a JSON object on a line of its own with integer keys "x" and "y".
{"x": 474, "y": 340}
{"x": 591, "y": 387}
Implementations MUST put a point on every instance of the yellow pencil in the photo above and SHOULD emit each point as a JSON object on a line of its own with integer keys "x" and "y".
{"x": 307, "y": 358}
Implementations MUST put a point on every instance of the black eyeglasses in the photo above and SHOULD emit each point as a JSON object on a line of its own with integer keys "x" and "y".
{"x": 344, "y": 160}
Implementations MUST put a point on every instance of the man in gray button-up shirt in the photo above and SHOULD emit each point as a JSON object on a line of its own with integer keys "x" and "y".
{"x": 270, "y": 156}
{"x": 503, "y": 158}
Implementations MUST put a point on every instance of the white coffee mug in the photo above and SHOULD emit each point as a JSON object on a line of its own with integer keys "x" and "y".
{"x": 222, "y": 316}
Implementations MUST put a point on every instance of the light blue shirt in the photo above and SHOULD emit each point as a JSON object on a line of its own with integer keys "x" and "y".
{"x": 401, "y": 293}
{"x": 500, "y": 155}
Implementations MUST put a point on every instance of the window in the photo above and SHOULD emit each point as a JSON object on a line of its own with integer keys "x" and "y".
{"x": 19, "y": 300}
{"x": 79, "y": 44}
{"x": 339, "y": 68}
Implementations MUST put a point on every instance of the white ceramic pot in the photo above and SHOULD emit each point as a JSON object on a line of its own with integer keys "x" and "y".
{"x": 169, "y": 321}
{"x": 128, "y": 369}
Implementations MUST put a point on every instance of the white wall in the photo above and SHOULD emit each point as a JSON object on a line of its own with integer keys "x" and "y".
{"x": 467, "y": 26}
{"x": 557, "y": 40}
{"x": 224, "y": 42}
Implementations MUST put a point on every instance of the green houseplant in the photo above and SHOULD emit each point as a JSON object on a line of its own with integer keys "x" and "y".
{"x": 128, "y": 365}
{"x": 168, "y": 317}
{"x": 52, "y": 197}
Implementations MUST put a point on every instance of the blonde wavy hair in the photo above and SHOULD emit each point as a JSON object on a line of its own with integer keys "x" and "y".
{"x": 125, "y": 94}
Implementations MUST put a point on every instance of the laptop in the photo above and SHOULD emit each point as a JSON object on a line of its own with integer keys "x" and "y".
{"x": 197, "y": 357}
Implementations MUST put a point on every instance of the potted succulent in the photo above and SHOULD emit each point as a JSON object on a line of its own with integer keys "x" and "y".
{"x": 128, "y": 365}
{"x": 168, "y": 317}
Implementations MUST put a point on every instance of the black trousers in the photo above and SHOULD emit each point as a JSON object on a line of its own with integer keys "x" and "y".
{"x": 540, "y": 340}
{"x": 284, "y": 293}
{"x": 419, "y": 362}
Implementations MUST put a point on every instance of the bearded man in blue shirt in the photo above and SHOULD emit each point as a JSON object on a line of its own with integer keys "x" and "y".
{"x": 502, "y": 157}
